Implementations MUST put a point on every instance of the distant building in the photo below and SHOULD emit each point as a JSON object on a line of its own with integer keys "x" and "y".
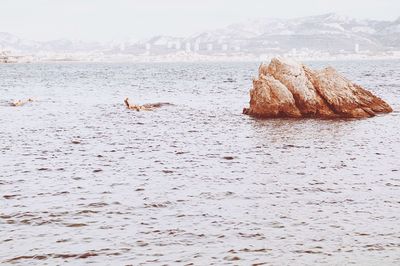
{"x": 4, "y": 57}
{"x": 196, "y": 47}
{"x": 356, "y": 48}
{"x": 224, "y": 47}
{"x": 188, "y": 47}
{"x": 7, "y": 57}
{"x": 209, "y": 47}
{"x": 178, "y": 45}
{"x": 148, "y": 46}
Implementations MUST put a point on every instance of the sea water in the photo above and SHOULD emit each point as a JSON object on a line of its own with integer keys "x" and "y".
{"x": 84, "y": 180}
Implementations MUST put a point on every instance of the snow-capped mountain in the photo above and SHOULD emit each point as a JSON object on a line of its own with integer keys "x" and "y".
{"x": 329, "y": 33}
{"x": 13, "y": 43}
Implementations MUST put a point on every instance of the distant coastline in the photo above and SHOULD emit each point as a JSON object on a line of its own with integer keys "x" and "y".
{"x": 184, "y": 57}
{"x": 325, "y": 37}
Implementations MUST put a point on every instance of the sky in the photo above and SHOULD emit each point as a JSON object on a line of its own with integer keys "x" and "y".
{"x": 107, "y": 20}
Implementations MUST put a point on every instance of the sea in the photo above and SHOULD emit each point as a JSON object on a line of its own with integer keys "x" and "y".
{"x": 83, "y": 180}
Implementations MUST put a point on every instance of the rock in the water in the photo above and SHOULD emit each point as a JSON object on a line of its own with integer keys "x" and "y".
{"x": 285, "y": 88}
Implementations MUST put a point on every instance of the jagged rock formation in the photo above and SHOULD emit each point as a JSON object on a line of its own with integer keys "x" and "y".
{"x": 286, "y": 88}
{"x": 145, "y": 107}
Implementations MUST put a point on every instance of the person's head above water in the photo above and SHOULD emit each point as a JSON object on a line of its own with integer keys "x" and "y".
{"x": 127, "y": 102}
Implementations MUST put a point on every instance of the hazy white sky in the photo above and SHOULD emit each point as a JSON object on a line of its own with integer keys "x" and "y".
{"x": 106, "y": 20}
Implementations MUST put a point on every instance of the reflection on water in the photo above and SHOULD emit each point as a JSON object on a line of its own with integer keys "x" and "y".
{"x": 84, "y": 180}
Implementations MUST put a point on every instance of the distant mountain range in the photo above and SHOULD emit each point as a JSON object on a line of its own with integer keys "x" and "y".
{"x": 11, "y": 42}
{"x": 329, "y": 33}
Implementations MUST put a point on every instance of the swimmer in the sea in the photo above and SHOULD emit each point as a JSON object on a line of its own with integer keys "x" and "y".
{"x": 145, "y": 107}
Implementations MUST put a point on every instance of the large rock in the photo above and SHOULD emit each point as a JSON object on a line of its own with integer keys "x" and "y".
{"x": 285, "y": 88}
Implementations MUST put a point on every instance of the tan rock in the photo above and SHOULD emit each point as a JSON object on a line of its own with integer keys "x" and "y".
{"x": 286, "y": 88}
{"x": 270, "y": 98}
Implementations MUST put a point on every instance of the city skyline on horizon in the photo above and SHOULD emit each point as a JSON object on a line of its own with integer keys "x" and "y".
{"x": 123, "y": 20}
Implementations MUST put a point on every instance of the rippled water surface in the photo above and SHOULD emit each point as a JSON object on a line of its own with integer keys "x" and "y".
{"x": 83, "y": 180}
